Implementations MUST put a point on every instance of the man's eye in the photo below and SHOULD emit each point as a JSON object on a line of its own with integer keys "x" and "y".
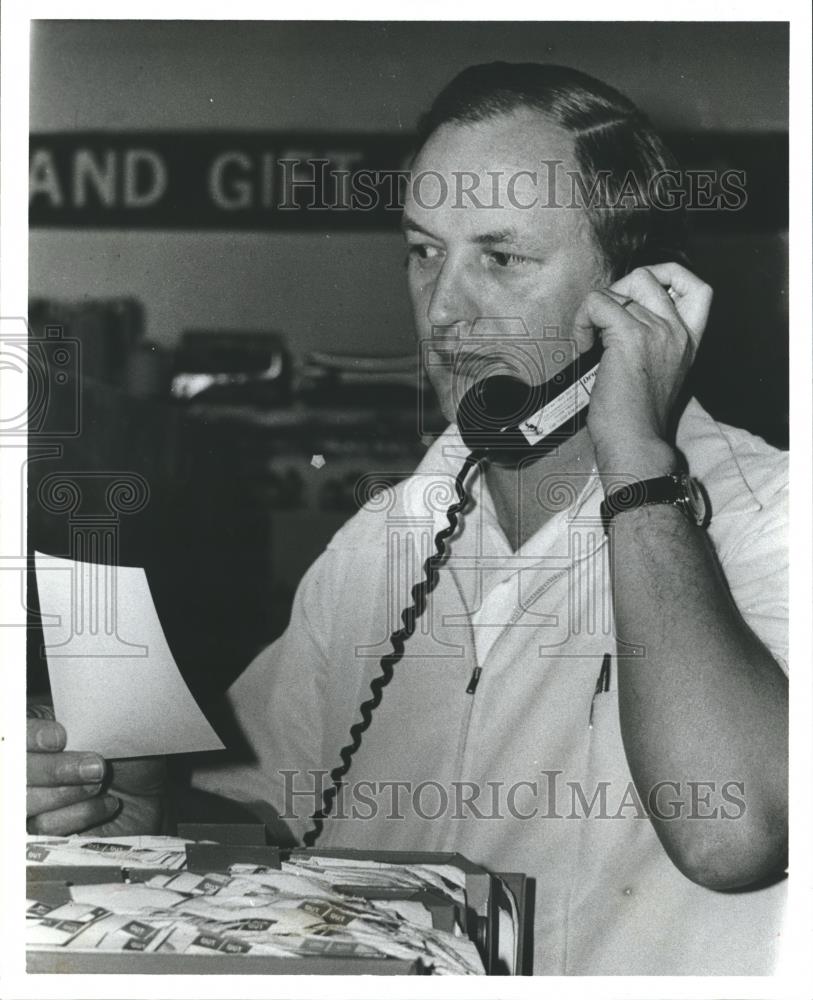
{"x": 502, "y": 259}
{"x": 421, "y": 252}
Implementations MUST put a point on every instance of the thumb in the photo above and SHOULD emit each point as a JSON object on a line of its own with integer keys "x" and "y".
{"x": 138, "y": 775}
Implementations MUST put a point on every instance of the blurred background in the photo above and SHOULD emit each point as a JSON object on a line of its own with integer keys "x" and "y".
{"x": 249, "y": 368}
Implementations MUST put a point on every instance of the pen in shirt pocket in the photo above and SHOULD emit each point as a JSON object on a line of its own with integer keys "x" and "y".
{"x": 602, "y": 685}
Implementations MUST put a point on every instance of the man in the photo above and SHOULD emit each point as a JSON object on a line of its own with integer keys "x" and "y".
{"x": 644, "y": 790}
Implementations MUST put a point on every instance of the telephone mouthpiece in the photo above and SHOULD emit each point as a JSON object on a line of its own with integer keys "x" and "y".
{"x": 506, "y": 420}
{"x": 491, "y": 411}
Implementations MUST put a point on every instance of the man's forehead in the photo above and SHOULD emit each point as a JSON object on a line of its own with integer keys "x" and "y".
{"x": 490, "y": 181}
{"x": 504, "y": 143}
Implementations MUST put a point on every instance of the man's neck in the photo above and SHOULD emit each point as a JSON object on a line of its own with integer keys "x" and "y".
{"x": 524, "y": 498}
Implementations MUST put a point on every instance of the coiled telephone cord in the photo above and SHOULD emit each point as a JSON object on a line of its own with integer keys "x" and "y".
{"x": 409, "y": 617}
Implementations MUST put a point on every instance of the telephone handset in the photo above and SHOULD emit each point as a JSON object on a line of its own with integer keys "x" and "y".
{"x": 506, "y": 420}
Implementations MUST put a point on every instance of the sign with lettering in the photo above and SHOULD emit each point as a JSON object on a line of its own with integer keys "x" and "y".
{"x": 221, "y": 180}
{"x": 347, "y": 180}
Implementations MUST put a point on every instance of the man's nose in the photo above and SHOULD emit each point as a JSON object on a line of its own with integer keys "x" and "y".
{"x": 452, "y": 298}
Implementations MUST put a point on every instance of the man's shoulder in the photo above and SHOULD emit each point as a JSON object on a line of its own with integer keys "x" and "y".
{"x": 390, "y": 500}
{"x": 740, "y": 470}
{"x": 368, "y": 526}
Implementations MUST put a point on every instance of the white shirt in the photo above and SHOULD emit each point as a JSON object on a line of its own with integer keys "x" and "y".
{"x": 537, "y": 623}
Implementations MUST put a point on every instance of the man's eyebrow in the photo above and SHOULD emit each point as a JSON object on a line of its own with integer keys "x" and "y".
{"x": 408, "y": 223}
{"x": 508, "y": 235}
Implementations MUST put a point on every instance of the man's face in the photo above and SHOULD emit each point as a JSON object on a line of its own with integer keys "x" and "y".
{"x": 488, "y": 277}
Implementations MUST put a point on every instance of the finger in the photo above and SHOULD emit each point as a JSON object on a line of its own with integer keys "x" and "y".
{"x": 42, "y": 800}
{"x": 676, "y": 276}
{"x": 691, "y": 295}
{"x": 74, "y": 818}
{"x": 601, "y": 310}
{"x": 45, "y": 734}
{"x": 628, "y": 303}
{"x": 642, "y": 286}
{"x": 70, "y": 768}
{"x": 138, "y": 775}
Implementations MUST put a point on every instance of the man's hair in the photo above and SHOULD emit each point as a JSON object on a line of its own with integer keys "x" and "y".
{"x": 613, "y": 141}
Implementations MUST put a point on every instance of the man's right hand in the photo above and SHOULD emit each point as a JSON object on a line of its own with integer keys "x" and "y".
{"x": 80, "y": 792}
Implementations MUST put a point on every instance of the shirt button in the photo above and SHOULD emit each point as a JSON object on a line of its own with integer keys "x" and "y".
{"x": 627, "y": 891}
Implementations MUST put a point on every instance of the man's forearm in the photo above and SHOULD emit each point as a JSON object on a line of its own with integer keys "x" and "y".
{"x": 705, "y": 702}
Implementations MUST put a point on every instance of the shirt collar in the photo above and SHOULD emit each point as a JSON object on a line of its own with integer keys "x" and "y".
{"x": 431, "y": 491}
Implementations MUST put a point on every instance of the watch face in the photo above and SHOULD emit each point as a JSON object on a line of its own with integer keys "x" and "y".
{"x": 697, "y": 501}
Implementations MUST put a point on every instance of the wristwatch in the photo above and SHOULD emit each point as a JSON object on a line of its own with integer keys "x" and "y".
{"x": 679, "y": 490}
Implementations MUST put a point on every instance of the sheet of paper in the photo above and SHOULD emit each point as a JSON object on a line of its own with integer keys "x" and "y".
{"x": 115, "y": 684}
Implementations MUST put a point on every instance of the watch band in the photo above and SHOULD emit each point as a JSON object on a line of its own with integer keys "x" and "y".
{"x": 677, "y": 490}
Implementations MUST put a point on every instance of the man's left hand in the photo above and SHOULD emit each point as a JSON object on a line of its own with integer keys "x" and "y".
{"x": 650, "y": 336}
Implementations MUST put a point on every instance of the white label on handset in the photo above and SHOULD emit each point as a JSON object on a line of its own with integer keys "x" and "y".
{"x": 560, "y": 410}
